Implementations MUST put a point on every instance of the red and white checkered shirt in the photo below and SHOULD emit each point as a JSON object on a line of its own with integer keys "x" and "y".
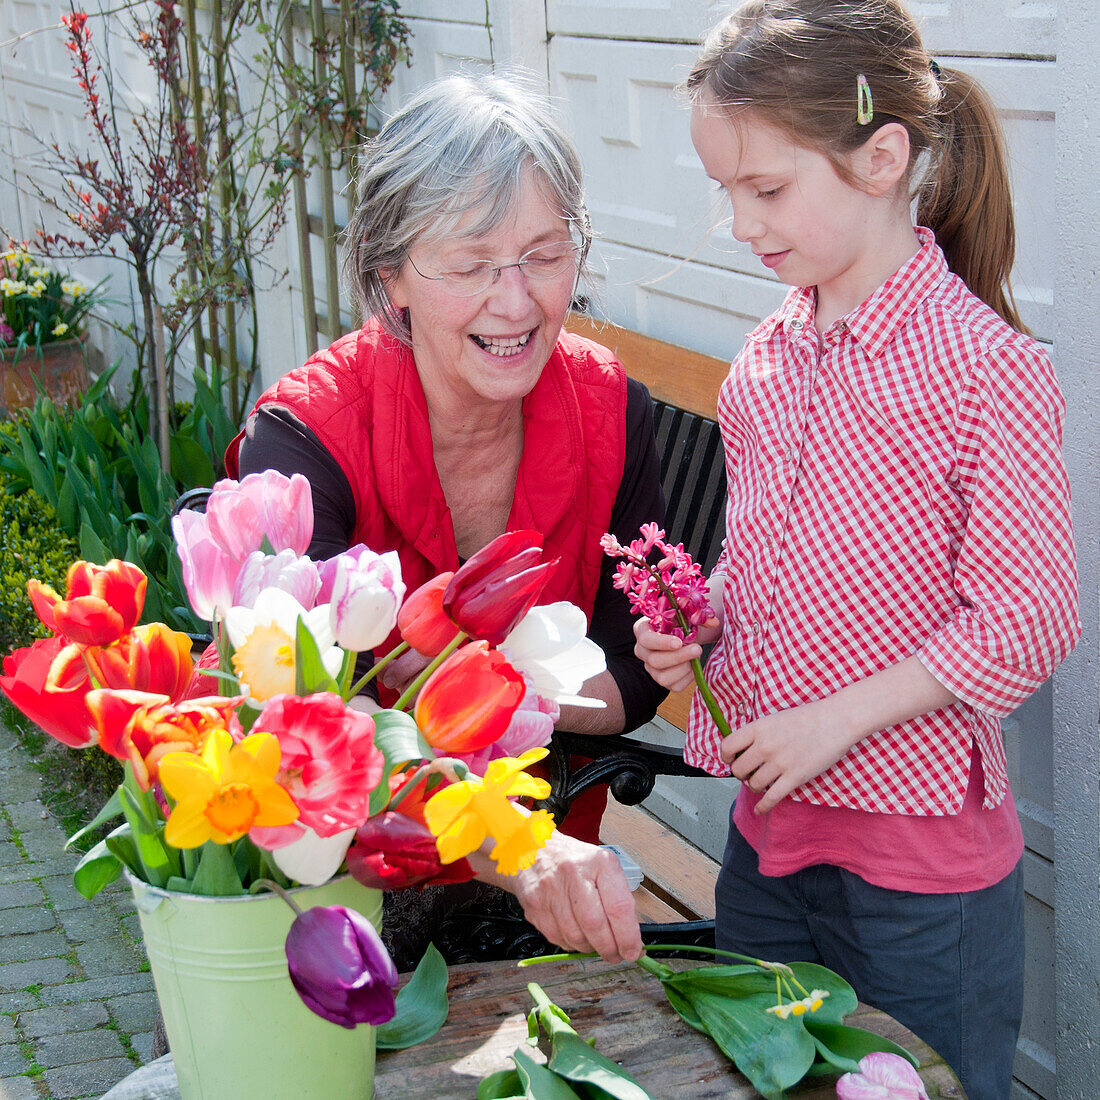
{"x": 894, "y": 489}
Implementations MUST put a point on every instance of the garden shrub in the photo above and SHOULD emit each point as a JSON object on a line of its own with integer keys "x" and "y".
{"x": 32, "y": 544}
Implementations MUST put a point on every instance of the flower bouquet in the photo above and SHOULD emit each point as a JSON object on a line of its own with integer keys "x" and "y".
{"x": 260, "y": 772}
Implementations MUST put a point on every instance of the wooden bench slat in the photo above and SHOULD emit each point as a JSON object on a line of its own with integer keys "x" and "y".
{"x": 672, "y": 865}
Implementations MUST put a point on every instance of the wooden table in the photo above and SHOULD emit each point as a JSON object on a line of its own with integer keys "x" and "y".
{"x": 624, "y": 1010}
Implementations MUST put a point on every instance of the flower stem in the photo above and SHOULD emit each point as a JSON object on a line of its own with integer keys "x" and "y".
{"x": 708, "y": 698}
{"x": 375, "y": 669}
{"x": 410, "y": 692}
{"x": 275, "y": 888}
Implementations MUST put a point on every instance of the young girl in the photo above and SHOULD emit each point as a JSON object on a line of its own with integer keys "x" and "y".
{"x": 898, "y": 572}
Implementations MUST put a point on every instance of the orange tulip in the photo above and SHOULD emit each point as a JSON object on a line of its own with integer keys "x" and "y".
{"x": 153, "y": 658}
{"x": 143, "y": 727}
{"x": 469, "y": 700}
{"x": 423, "y": 622}
{"x": 102, "y": 602}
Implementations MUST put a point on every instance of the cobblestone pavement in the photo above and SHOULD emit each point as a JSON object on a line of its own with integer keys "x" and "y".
{"x": 76, "y": 997}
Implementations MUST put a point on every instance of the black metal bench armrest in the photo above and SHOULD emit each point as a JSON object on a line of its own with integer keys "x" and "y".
{"x": 628, "y": 767}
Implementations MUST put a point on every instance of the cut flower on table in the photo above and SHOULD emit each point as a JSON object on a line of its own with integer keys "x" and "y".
{"x": 258, "y": 774}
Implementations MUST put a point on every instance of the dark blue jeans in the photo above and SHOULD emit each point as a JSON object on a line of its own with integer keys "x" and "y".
{"x": 950, "y": 967}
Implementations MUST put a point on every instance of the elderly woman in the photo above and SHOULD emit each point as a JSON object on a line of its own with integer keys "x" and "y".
{"x": 461, "y": 410}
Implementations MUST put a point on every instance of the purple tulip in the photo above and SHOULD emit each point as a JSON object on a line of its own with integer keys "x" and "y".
{"x": 340, "y": 967}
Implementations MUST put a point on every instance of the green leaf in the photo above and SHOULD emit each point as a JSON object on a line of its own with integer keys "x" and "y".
{"x": 310, "y": 674}
{"x": 538, "y": 1082}
{"x": 120, "y": 844}
{"x": 190, "y": 463}
{"x": 98, "y": 868}
{"x": 421, "y": 1005}
{"x": 217, "y": 874}
{"x": 773, "y": 1054}
{"x": 842, "y": 1045}
{"x": 91, "y": 546}
{"x": 111, "y": 808}
{"x": 157, "y": 865}
{"x": 502, "y": 1085}
{"x": 397, "y": 737}
{"x": 571, "y": 1057}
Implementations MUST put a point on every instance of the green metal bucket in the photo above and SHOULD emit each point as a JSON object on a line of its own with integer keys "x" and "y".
{"x": 236, "y": 1026}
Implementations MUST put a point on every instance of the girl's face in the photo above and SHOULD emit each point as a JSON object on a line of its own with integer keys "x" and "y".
{"x": 801, "y": 219}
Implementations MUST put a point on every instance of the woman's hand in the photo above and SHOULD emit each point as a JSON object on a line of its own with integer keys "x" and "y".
{"x": 576, "y": 895}
{"x": 399, "y": 673}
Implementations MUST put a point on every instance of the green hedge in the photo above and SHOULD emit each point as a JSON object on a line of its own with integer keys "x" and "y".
{"x": 32, "y": 544}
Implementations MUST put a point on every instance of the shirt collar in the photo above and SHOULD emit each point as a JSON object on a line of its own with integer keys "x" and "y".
{"x": 875, "y": 322}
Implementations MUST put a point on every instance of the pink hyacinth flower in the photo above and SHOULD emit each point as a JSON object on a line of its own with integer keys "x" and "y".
{"x": 882, "y": 1076}
{"x": 209, "y": 572}
{"x": 240, "y": 514}
{"x": 364, "y": 592}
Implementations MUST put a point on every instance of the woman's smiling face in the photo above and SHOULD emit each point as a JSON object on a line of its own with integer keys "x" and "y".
{"x": 491, "y": 347}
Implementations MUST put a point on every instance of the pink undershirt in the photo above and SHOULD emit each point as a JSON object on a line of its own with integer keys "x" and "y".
{"x": 970, "y": 850}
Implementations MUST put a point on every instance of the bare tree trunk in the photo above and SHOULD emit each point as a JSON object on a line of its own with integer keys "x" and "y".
{"x": 162, "y": 387}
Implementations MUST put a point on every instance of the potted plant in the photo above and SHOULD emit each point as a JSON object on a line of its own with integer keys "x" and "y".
{"x": 42, "y": 310}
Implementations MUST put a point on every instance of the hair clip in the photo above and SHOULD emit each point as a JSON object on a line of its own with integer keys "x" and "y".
{"x": 865, "y": 106}
{"x": 933, "y": 68}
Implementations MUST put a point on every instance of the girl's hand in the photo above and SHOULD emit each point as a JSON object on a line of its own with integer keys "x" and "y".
{"x": 781, "y": 751}
{"x": 665, "y": 656}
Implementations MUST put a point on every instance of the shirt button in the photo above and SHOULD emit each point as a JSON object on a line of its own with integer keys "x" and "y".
{"x": 796, "y": 325}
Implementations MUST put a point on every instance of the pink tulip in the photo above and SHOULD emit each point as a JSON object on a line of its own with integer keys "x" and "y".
{"x": 367, "y": 591}
{"x": 328, "y": 764}
{"x": 209, "y": 572}
{"x": 240, "y": 514}
{"x": 882, "y": 1076}
{"x": 285, "y": 570}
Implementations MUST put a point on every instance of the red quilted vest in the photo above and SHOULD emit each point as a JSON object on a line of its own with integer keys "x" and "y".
{"x": 362, "y": 397}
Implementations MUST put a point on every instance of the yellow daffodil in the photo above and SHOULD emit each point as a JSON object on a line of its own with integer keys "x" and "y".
{"x": 12, "y": 287}
{"x": 798, "y": 1008}
{"x": 40, "y": 272}
{"x": 462, "y": 815}
{"x": 36, "y": 289}
{"x": 59, "y": 329}
{"x": 71, "y": 286}
{"x": 225, "y": 792}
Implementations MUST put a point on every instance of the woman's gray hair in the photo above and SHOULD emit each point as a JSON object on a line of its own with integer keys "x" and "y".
{"x": 461, "y": 144}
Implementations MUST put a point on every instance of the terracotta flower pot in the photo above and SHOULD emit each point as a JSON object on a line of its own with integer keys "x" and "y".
{"x": 58, "y": 366}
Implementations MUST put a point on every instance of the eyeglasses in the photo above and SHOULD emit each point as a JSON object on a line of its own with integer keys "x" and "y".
{"x": 548, "y": 261}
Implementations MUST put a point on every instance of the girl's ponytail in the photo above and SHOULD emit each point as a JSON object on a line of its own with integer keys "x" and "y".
{"x": 966, "y": 201}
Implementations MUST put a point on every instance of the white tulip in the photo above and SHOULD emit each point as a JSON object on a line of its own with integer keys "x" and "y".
{"x": 313, "y": 859}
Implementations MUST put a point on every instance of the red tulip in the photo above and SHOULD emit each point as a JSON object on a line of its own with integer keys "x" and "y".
{"x": 423, "y": 622}
{"x": 498, "y": 585}
{"x": 392, "y": 851}
{"x": 61, "y": 711}
{"x": 469, "y": 700}
{"x": 102, "y": 602}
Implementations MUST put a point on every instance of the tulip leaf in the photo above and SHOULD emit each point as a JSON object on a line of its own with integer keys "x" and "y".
{"x": 157, "y": 863}
{"x": 111, "y": 808}
{"x": 120, "y": 843}
{"x": 502, "y": 1085}
{"x": 217, "y": 875}
{"x": 571, "y": 1057}
{"x": 540, "y": 1083}
{"x": 843, "y": 1045}
{"x": 97, "y": 868}
{"x": 310, "y": 674}
{"x": 421, "y": 1005}
{"x": 398, "y": 739}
